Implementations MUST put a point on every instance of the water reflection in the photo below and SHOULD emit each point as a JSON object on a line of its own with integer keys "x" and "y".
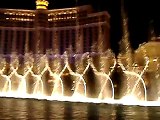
{"x": 35, "y": 109}
{"x": 92, "y": 112}
{"x": 49, "y": 110}
{"x": 106, "y": 112}
{"x": 13, "y": 109}
{"x": 132, "y": 112}
{"x": 56, "y": 110}
{"x": 68, "y": 111}
{"x": 154, "y": 113}
{"x": 79, "y": 111}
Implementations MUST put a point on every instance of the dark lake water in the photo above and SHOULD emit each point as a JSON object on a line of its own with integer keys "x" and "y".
{"x": 29, "y": 109}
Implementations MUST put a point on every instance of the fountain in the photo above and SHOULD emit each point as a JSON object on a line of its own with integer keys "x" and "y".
{"x": 105, "y": 77}
{"x": 33, "y": 67}
{"x": 79, "y": 74}
{"x": 44, "y": 76}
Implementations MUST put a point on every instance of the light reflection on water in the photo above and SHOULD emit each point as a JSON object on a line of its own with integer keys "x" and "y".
{"x": 35, "y": 109}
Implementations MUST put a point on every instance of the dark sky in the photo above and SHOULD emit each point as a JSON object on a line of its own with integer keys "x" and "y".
{"x": 140, "y": 13}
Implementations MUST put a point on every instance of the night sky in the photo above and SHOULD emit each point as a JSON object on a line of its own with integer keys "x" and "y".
{"x": 140, "y": 15}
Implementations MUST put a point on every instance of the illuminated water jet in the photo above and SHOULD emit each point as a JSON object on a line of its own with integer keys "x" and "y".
{"x": 137, "y": 75}
{"x": 106, "y": 75}
{"x": 82, "y": 65}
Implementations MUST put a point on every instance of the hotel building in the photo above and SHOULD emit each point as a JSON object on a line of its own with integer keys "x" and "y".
{"x": 79, "y": 29}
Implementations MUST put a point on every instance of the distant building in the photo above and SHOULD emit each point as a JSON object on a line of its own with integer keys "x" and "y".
{"x": 77, "y": 28}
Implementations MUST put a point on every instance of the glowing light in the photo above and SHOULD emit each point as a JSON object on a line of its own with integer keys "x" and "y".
{"x": 129, "y": 99}
{"x": 41, "y": 4}
{"x": 155, "y": 60}
{"x": 41, "y": 7}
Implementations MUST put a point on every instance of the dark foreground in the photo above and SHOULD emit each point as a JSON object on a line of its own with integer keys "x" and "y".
{"x": 16, "y": 109}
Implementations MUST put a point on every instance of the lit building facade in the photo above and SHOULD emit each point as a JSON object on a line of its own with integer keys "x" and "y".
{"x": 77, "y": 28}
